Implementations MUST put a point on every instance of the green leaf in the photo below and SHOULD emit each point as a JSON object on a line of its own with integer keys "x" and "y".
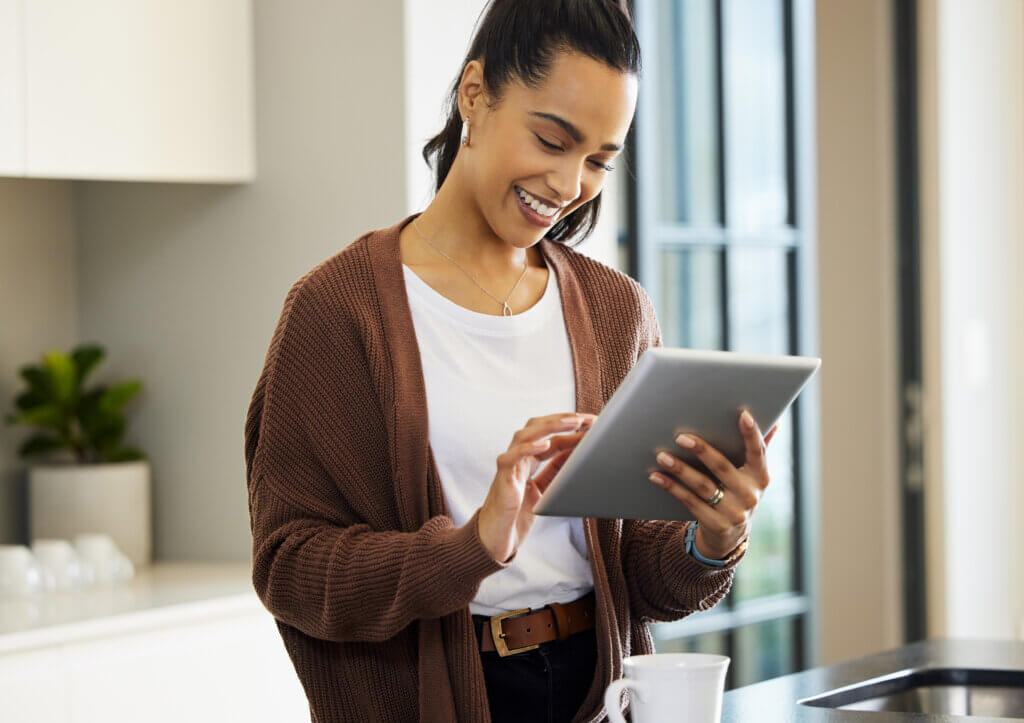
{"x": 38, "y": 381}
{"x": 62, "y": 376}
{"x": 90, "y": 416}
{"x": 29, "y": 398}
{"x": 38, "y": 444}
{"x": 85, "y": 358}
{"x": 108, "y": 434}
{"x": 89, "y": 402}
{"x": 124, "y": 454}
{"x": 56, "y": 397}
{"x": 45, "y": 415}
{"x": 118, "y": 395}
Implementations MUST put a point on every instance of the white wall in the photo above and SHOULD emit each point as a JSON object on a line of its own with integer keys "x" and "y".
{"x": 38, "y": 287}
{"x": 437, "y": 35}
{"x": 860, "y": 572}
{"x": 972, "y": 66}
{"x": 972, "y": 233}
{"x": 185, "y": 282}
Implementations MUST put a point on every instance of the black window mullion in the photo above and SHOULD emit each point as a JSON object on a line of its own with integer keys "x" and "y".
{"x": 723, "y": 206}
{"x": 915, "y": 612}
{"x": 723, "y": 272}
{"x": 790, "y": 104}
{"x": 730, "y": 650}
{"x": 720, "y": 114}
{"x": 632, "y": 208}
{"x": 799, "y": 574}
{"x": 799, "y": 642}
{"x": 793, "y": 269}
{"x": 723, "y": 218}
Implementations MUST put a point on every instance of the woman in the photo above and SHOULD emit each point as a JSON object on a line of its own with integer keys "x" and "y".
{"x": 390, "y": 547}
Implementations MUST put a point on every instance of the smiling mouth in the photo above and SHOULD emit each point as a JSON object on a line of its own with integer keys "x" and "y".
{"x": 542, "y": 206}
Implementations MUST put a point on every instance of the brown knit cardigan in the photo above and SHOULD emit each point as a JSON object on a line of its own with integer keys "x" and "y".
{"x": 354, "y": 553}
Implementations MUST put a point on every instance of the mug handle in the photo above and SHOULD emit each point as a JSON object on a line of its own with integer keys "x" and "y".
{"x": 612, "y": 695}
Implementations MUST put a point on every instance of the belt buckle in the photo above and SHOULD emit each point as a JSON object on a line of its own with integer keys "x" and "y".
{"x": 499, "y": 636}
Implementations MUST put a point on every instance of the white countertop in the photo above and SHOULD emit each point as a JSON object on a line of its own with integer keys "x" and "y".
{"x": 161, "y": 594}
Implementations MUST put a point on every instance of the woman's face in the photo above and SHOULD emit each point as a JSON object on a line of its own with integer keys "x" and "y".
{"x": 541, "y": 153}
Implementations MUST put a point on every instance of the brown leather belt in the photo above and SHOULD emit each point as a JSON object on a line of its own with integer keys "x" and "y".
{"x": 521, "y": 630}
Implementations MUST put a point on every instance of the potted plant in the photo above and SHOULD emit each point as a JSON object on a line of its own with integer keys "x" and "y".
{"x": 87, "y": 479}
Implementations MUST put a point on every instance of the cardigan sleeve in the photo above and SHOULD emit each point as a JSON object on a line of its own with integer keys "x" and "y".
{"x": 349, "y": 583}
{"x": 323, "y": 558}
{"x": 664, "y": 582}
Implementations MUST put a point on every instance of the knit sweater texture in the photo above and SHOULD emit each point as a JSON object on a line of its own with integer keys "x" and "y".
{"x": 353, "y": 549}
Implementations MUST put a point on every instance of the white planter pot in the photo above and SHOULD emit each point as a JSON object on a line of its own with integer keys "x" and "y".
{"x": 67, "y": 500}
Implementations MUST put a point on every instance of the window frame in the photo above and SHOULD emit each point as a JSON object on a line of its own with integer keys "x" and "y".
{"x": 644, "y": 236}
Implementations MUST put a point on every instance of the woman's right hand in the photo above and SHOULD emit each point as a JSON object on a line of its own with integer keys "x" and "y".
{"x": 507, "y": 513}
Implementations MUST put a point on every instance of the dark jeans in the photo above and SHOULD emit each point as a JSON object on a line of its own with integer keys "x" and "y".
{"x": 545, "y": 685}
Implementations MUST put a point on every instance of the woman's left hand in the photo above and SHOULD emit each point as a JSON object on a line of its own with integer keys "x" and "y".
{"x": 726, "y": 523}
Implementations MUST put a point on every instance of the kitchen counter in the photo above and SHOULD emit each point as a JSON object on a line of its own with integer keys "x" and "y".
{"x": 160, "y": 594}
{"x": 775, "y": 701}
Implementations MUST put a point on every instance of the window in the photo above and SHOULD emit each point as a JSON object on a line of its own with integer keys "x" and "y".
{"x": 716, "y": 230}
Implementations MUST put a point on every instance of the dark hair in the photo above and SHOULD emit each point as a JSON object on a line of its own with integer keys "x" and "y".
{"x": 519, "y": 39}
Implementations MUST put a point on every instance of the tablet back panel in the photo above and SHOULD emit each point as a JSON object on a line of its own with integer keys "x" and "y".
{"x": 669, "y": 391}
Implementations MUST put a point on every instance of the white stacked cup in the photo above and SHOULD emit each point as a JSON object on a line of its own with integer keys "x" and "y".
{"x": 102, "y": 559}
{"x": 20, "y": 574}
{"x": 61, "y": 565}
{"x": 54, "y": 565}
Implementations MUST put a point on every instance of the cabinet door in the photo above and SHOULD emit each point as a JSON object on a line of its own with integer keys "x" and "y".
{"x": 12, "y": 89}
{"x": 233, "y": 669}
{"x": 155, "y": 90}
{"x": 34, "y": 687}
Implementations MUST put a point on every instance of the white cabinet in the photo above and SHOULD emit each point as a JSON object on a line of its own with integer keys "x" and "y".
{"x": 222, "y": 670}
{"x": 151, "y": 90}
{"x": 183, "y": 642}
{"x": 33, "y": 687}
{"x": 12, "y": 89}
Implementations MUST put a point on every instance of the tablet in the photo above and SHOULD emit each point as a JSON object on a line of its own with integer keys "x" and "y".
{"x": 669, "y": 391}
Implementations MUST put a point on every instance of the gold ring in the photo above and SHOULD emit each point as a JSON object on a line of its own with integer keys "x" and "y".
{"x": 715, "y": 498}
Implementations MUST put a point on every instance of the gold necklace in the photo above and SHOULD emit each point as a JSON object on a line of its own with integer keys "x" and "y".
{"x": 506, "y": 310}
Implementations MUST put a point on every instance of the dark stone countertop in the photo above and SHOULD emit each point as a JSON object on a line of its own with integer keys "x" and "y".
{"x": 775, "y": 701}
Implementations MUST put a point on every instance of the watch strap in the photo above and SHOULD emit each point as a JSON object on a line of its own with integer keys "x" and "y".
{"x": 691, "y": 549}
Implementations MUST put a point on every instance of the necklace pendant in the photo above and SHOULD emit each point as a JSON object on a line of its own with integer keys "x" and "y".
{"x": 506, "y": 310}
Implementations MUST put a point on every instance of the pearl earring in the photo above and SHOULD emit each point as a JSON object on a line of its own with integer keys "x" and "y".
{"x": 464, "y": 139}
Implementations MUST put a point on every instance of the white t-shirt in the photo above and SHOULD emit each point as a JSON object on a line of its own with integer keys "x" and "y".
{"x": 485, "y": 377}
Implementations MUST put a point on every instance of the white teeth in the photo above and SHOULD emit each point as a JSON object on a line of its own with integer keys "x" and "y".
{"x": 536, "y": 205}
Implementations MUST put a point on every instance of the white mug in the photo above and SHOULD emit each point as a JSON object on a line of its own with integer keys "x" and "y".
{"x": 670, "y": 687}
